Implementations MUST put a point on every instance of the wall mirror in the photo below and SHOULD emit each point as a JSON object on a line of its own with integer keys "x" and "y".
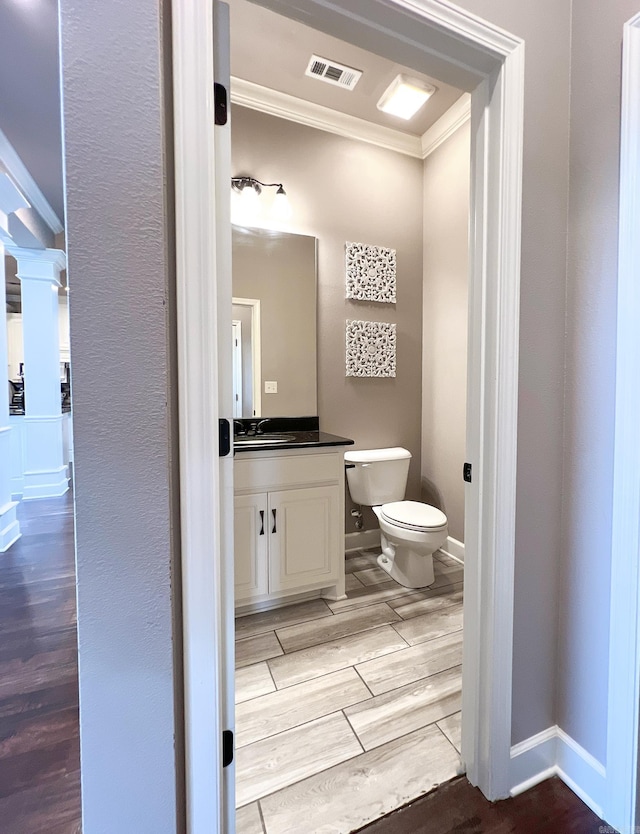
{"x": 274, "y": 323}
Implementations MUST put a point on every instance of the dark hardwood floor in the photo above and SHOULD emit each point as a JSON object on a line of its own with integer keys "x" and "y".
{"x": 39, "y": 742}
{"x": 458, "y": 808}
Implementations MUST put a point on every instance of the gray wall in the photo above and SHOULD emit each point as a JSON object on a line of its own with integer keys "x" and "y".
{"x": 545, "y": 27}
{"x": 117, "y": 222}
{"x": 590, "y": 357}
{"x": 343, "y": 190}
{"x": 444, "y": 326}
{"x": 119, "y": 234}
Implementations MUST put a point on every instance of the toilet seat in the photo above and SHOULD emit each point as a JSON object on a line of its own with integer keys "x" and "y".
{"x": 413, "y": 515}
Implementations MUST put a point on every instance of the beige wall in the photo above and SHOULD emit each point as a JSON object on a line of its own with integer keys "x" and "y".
{"x": 342, "y": 190}
{"x": 444, "y": 326}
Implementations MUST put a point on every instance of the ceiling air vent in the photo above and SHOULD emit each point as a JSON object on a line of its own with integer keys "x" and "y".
{"x": 333, "y": 73}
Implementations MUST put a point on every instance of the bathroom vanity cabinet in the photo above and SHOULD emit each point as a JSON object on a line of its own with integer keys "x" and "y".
{"x": 288, "y": 524}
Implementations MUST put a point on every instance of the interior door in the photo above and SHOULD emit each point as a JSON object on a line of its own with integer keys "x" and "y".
{"x": 222, "y": 149}
{"x": 200, "y": 40}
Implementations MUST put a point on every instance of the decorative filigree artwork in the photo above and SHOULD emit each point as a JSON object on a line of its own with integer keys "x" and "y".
{"x": 371, "y": 272}
{"x": 371, "y": 348}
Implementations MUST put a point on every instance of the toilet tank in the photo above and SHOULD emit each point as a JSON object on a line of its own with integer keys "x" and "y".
{"x": 377, "y": 476}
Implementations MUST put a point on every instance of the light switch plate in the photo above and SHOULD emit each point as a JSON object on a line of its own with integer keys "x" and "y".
{"x": 270, "y": 387}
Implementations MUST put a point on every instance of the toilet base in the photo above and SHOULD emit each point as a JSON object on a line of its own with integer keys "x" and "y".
{"x": 405, "y": 565}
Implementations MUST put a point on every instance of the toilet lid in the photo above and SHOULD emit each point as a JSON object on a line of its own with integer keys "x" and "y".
{"x": 414, "y": 515}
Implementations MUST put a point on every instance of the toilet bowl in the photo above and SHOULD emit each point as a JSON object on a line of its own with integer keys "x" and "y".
{"x": 410, "y": 531}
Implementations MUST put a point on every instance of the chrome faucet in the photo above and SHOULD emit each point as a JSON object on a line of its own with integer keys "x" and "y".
{"x": 261, "y": 424}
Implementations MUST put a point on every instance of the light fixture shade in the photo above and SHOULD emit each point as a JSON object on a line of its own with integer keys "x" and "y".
{"x": 247, "y": 207}
{"x": 405, "y": 96}
{"x": 281, "y": 205}
{"x": 245, "y": 202}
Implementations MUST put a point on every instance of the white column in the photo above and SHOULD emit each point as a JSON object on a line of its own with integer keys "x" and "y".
{"x": 45, "y": 473}
{"x": 9, "y": 526}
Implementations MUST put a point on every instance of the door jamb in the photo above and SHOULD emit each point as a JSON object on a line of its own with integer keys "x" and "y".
{"x": 202, "y": 494}
{"x": 624, "y": 630}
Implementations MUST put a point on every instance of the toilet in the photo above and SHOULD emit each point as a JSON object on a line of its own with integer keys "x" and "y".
{"x": 410, "y": 531}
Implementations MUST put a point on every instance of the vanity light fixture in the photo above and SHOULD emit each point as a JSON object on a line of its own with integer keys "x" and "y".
{"x": 240, "y": 183}
{"x": 249, "y": 188}
{"x": 405, "y": 96}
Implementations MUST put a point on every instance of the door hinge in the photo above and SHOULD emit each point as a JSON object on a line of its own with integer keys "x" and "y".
{"x": 224, "y": 438}
{"x": 220, "y": 103}
{"x": 227, "y": 747}
{"x": 466, "y": 472}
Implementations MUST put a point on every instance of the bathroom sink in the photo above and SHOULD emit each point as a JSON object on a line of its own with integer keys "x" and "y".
{"x": 262, "y": 439}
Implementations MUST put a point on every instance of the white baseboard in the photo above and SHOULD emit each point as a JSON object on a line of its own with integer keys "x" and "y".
{"x": 583, "y": 773}
{"x": 9, "y": 526}
{"x": 452, "y": 547}
{"x": 361, "y": 539}
{"x": 45, "y": 484}
{"x": 554, "y": 753}
{"x": 533, "y": 760}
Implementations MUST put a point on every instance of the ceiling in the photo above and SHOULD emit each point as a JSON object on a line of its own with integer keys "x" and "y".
{"x": 274, "y": 51}
{"x": 266, "y": 49}
{"x": 30, "y": 91}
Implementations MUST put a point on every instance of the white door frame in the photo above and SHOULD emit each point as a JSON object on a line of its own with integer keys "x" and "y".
{"x": 203, "y": 289}
{"x": 238, "y": 375}
{"x": 490, "y": 61}
{"x": 619, "y": 808}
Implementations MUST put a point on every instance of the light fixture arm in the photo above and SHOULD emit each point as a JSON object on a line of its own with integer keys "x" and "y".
{"x": 240, "y": 183}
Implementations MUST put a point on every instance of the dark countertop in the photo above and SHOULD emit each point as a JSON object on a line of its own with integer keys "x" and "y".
{"x": 303, "y": 440}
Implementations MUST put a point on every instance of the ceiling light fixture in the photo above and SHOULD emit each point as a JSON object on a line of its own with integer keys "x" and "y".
{"x": 405, "y": 96}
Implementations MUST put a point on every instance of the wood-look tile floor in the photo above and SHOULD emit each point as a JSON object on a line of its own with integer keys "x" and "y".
{"x": 39, "y": 737}
{"x": 348, "y": 710}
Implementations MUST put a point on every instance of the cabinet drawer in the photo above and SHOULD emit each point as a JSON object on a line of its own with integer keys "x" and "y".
{"x": 286, "y": 471}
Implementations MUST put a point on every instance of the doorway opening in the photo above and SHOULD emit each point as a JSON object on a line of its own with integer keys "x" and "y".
{"x": 327, "y": 688}
{"x": 488, "y": 63}
{"x": 39, "y": 716}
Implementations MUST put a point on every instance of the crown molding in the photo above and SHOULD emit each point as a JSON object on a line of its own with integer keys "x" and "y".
{"x": 458, "y": 114}
{"x": 257, "y": 97}
{"x": 27, "y": 185}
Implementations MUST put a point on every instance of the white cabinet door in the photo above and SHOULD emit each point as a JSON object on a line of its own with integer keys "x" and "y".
{"x": 250, "y": 546}
{"x": 303, "y": 535}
